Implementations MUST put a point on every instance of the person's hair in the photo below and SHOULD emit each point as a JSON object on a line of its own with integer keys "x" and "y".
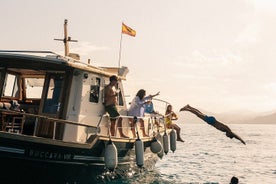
{"x": 141, "y": 94}
{"x": 167, "y": 110}
{"x": 113, "y": 78}
{"x": 234, "y": 180}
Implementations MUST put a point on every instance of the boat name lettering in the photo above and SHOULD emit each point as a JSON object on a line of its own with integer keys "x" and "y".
{"x": 49, "y": 155}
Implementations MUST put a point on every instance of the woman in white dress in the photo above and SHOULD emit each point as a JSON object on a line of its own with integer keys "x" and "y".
{"x": 137, "y": 109}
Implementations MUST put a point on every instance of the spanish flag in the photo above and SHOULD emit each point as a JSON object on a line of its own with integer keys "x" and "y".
{"x": 127, "y": 30}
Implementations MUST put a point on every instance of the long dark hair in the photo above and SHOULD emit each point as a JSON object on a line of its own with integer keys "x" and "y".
{"x": 167, "y": 110}
{"x": 141, "y": 94}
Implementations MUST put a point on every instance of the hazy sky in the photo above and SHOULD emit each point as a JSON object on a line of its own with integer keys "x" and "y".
{"x": 218, "y": 55}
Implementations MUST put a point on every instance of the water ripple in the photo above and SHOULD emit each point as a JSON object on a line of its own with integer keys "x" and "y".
{"x": 209, "y": 157}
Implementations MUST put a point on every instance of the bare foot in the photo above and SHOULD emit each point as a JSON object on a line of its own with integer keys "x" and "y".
{"x": 124, "y": 136}
{"x": 179, "y": 139}
{"x": 185, "y": 107}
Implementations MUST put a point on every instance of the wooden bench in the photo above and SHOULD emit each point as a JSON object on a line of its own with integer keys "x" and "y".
{"x": 12, "y": 122}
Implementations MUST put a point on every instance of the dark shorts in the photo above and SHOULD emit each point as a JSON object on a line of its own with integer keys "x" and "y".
{"x": 210, "y": 120}
{"x": 112, "y": 111}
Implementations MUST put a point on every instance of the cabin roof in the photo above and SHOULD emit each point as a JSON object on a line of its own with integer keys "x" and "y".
{"x": 53, "y": 62}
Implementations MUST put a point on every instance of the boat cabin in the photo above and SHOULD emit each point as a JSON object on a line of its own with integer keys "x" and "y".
{"x": 51, "y": 96}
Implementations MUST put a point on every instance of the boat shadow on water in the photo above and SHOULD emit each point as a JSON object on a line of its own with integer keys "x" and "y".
{"x": 56, "y": 173}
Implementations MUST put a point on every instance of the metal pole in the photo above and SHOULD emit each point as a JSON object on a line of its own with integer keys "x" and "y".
{"x": 66, "y": 38}
{"x": 120, "y": 50}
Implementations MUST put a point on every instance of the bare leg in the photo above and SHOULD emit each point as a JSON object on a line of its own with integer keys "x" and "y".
{"x": 112, "y": 127}
{"x": 194, "y": 111}
{"x": 120, "y": 128}
{"x": 143, "y": 128}
{"x": 132, "y": 127}
{"x": 156, "y": 122}
{"x": 177, "y": 129}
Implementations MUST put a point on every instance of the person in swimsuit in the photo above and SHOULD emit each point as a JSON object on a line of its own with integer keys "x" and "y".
{"x": 110, "y": 102}
{"x": 212, "y": 121}
{"x": 169, "y": 117}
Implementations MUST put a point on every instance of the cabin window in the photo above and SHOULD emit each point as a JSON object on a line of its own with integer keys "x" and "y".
{"x": 120, "y": 99}
{"x": 95, "y": 91}
{"x": 34, "y": 87}
{"x": 54, "y": 85}
{"x": 11, "y": 88}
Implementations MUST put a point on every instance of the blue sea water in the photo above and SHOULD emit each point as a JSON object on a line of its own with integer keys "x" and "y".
{"x": 209, "y": 157}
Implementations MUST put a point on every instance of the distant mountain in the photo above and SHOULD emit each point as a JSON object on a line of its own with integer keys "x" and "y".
{"x": 268, "y": 119}
{"x": 186, "y": 117}
{"x": 236, "y": 116}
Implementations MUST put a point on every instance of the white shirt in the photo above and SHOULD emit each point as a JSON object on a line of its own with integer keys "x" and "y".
{"x": 137, "y": 107}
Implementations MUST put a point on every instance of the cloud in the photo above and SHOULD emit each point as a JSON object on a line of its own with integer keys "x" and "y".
{"x": 270, "y": 86}
{"x": 249, "y": 35}
{"x": 268, "y": 6}
{"x": 214, "y": 56}
{"x": 85, "y": 48}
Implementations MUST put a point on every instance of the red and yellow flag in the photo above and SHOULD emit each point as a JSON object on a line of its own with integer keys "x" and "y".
{"x": 127, "y": 30}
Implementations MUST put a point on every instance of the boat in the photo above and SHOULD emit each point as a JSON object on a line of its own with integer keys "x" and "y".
{"x": 54, "y": 127}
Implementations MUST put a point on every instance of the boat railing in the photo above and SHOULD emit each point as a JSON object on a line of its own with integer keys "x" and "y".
{"x": 13, "y": 121}
{"x": 11, "y": 118}
{"x": 153, "y": 123}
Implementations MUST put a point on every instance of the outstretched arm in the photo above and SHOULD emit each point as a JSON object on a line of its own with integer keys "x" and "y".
{"x": 149, "y": 97}
{"x": 232, "y": 134}
{"x": 155, "y": 94}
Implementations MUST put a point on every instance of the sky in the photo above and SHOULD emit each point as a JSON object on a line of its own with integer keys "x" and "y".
{"x": 217, "y": 55}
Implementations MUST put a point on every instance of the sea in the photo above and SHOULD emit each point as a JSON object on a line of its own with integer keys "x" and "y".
{"x": 209, "y": 157}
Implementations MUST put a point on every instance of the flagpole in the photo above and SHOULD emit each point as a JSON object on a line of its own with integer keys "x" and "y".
{"x": 130, "y": 32}
{"x": 120, "y": 50}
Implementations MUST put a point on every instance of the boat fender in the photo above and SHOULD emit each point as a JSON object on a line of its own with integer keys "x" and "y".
{"x": 160, "y": 154}
{"x": 139, "y": 152}
{"x": 155, "y": 146}
{"x": 173, "y": 140}
{"x": 110, "y": 156}
{"x": 159, "y": 138}
{"x": 165, "y": 143}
